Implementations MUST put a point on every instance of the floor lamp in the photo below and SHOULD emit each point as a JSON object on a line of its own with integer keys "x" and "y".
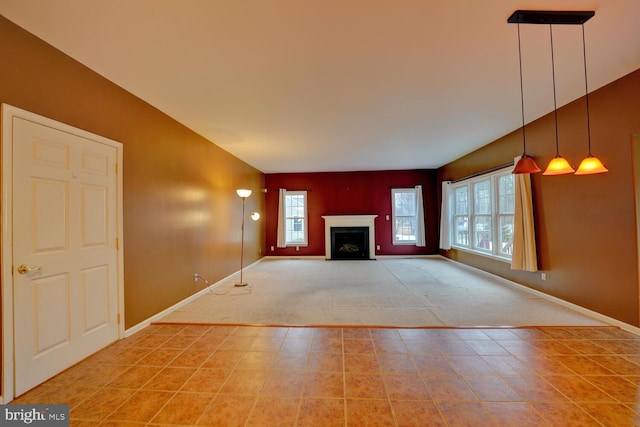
{"x": 243, "y": 194}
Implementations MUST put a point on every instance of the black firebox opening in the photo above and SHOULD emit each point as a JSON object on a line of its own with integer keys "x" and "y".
{"x": 349, "y": 243}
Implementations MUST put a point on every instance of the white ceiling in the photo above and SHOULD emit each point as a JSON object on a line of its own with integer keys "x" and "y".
{"x": 339, "y": 85}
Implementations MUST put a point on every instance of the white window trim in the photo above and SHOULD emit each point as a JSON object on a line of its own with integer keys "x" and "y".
{"x": 305, "y": 218}
{"x": 393, "y": 217}
{"x": 493, "y": 177}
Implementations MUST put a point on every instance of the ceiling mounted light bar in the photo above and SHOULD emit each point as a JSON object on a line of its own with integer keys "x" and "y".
{"x": 550, "y": 17}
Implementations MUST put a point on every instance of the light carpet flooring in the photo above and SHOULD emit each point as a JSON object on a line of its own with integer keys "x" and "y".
{"x": 394, "y": 292}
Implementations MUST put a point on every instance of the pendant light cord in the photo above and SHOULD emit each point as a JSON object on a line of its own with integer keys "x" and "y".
{"x": 524, "y": 139}
{"x": 553, "y": 76}
{"x": 586, "y": 90}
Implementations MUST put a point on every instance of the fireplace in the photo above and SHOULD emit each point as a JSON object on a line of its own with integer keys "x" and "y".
{"x": 355, "y": 235}
{"x": 349, "y": 242}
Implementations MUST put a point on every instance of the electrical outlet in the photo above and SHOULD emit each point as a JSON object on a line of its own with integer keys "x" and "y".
{"x": 196, "y": 277}
{"x": 543, "y": 275}
{"x": 297, "y": 248}
{"x": 272, "y": 248}
{"x": 377, "y": 247}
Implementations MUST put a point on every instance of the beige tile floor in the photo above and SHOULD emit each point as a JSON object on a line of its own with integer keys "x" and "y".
{"x": 287, "y": 376}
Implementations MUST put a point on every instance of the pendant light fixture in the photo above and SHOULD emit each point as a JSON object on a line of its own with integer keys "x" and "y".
{"x": 526, "y": 164}
{"x": 558, "y": 165}
{"x": 591, "y": 164}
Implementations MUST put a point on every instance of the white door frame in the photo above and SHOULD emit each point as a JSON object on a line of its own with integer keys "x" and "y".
{"x": 6, "y": 234}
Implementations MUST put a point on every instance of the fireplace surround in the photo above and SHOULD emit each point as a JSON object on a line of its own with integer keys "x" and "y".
{"x": 346, "y": 225}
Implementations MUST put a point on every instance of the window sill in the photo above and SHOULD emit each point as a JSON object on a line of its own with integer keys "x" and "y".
{"x": 482, "y": 254}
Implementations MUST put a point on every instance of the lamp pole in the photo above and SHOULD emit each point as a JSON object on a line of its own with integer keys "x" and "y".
{"x": 243, "y": 194}
{"x": 242, "y": 245}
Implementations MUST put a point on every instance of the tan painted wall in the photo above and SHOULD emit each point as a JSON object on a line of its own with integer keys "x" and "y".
{"x": 181, "y": 213}
{"x": 586, "y": 225}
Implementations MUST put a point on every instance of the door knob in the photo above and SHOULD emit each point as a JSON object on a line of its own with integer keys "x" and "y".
{"x": 24, "y": 269}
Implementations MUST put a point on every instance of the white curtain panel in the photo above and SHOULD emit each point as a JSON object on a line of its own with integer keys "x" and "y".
{"x": 446, "y": 211}
{"x": 420, "y": 237}
{"x": 280, "y": 242}
{"x": 524, "y": 255}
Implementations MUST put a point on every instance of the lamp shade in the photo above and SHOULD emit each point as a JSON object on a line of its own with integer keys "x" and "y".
{"x": 526, "y": 164}
{"x": 591, "y": 165}
{"x": 558, "y": 166}
{"x": 243, "y": 192}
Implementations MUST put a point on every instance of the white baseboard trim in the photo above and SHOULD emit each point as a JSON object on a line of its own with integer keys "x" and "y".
{"x": 156, "y": 317}
{"x": 293, "y": 257}
{"x": 328, "y": 259}
{"x": 582, "y": 310}
{"x": 407, "y": 256}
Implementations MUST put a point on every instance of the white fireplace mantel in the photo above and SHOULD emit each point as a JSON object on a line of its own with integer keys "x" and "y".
{"x": 350, "y": 221}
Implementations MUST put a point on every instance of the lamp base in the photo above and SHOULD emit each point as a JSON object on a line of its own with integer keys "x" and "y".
{"x": 240, "y": 285}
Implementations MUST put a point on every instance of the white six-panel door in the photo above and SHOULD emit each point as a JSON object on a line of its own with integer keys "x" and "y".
{"x": 65, "y": 255}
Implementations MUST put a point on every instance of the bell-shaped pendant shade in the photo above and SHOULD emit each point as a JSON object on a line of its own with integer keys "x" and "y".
{"x": 591, "y": 165}
{"x": 558, "y": 166}
{"x": 526, "y": 164}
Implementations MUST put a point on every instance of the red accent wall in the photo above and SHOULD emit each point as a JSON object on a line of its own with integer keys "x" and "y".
{"x": 352, "y": 193}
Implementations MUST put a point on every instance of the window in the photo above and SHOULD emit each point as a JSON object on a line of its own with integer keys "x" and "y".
{"x": 461, "y": 217}
{"x": 295, "y": 218}
{"x": 506, "y": 212}
{"x": 405, "y": 216}
{"x": 483, "y": 211}
{"x": 483, "y": 237}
